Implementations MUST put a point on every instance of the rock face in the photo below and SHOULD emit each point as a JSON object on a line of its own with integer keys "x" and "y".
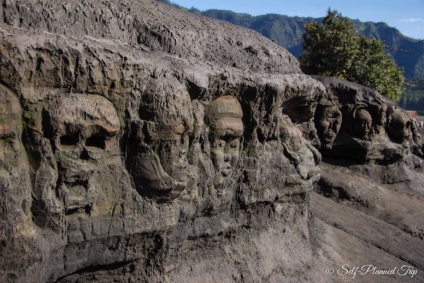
{"x": 142, "y": 143}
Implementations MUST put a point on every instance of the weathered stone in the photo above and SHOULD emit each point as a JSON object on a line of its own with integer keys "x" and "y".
{"x": 372, "y": 127}
{"x": 328, "y": 120}
{"x": 142, "y": 143}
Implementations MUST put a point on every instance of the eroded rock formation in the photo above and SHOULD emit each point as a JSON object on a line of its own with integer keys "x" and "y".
{"x": 141, "y": 143}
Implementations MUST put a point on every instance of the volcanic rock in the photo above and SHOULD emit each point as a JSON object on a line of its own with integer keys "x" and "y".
{"x": 139, "y": 142}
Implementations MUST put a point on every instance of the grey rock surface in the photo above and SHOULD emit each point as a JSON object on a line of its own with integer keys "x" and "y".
{"x": 142, "y": 143}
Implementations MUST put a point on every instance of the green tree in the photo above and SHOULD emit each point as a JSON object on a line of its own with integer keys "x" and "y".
{"x": 335, "y": 49}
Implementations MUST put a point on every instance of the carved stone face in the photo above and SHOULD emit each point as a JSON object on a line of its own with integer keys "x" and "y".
{"x": 290, "y": 135}
{"x": 10, "y": 128}
{"x": 399, "y": 127}
{"x": 226, "y": 129}
{"x": 380, "y": 119}
{"x": 382, "y": 115}
{"x": 83, "y": 131}
{"x": 159, "y": 164}
{"x": 328, "y": 120}
{"x": 159, "y": 167}
{"x": 171, "y": 144}
{"x": 15, "y": 201}
{"x": 363, "y": 123}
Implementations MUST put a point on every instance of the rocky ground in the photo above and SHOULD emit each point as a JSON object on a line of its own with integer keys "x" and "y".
{"x": 359, "y": 222}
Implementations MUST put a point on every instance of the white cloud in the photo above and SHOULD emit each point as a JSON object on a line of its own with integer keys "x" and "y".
{"x": 412, "y": 20}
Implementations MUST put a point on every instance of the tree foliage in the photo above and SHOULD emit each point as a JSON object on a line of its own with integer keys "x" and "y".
{"x": 335, "y": 49}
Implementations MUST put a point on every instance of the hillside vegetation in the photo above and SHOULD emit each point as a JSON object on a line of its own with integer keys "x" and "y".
{"x": 335, "y": 49}
{"x": 413, "y": 96}
{"x": 287, "y": 32}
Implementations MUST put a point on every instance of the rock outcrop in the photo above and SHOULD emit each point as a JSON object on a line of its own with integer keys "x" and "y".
{"x": 143, "y": 143}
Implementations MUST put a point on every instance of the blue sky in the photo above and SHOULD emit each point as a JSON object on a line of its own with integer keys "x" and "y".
{"x": 405, "y": 15}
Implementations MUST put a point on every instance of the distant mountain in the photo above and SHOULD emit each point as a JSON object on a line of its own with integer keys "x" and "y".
{"x": 287, "y": 31}
{"x": 413, "y": 96}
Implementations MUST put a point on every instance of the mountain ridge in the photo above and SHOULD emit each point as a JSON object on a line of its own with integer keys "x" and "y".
{"x": 287, "y": 31}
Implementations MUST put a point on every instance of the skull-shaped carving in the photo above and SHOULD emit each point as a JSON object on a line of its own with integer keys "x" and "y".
{"x": 83, "y": 133}
{"x": 399, "y": 126}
